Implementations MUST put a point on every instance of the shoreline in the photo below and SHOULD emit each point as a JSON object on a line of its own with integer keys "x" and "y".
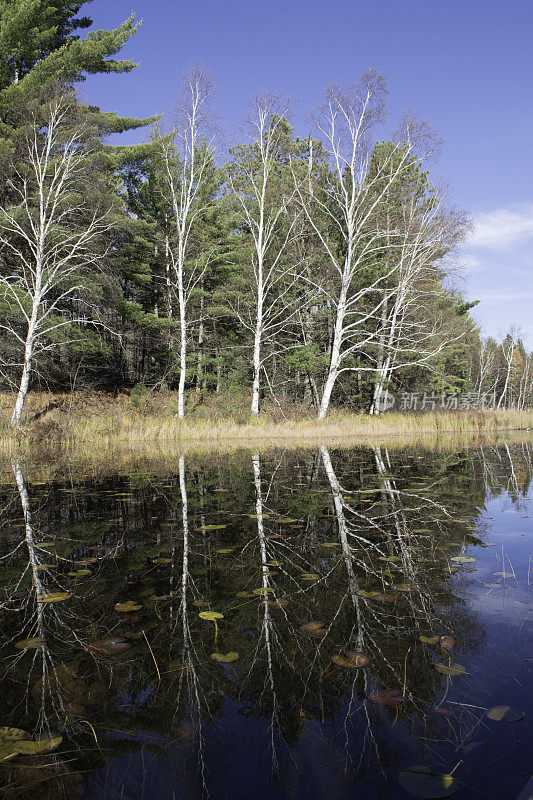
{"x": 100, "y": 424}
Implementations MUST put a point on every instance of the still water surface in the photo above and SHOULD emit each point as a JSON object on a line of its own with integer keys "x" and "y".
{"x": 370, "y": 607}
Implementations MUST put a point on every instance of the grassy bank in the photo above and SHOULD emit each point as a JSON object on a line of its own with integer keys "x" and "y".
{"x": 101, "y": 423}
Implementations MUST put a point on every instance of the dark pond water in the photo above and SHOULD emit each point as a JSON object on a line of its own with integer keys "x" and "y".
{"x": 327, "y": 570}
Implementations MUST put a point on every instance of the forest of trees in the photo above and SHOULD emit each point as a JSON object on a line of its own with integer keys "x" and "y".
{"x": 316, "y": 271}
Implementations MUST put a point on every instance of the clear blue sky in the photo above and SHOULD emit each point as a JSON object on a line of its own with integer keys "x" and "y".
{"x": 464, "y": 65}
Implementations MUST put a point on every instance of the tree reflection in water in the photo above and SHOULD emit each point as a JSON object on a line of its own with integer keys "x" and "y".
{"x": 361, "y": 543}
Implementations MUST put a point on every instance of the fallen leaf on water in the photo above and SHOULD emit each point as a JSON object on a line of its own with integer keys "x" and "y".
{"x": 504, "y": 714}
{"x": 450, "y": 669}
{"x": 351, "y": 660}
{"x": 30, "y": 644}
{"x": 109, "y": 646}
{"x": 420, "y": 781}
{"x": 387, "y": 697}
{"x": 447, "y": 642}
{"x": 224, "y": 658}
{"x": 314, "y": 628}
{"x": 212, "y": 616}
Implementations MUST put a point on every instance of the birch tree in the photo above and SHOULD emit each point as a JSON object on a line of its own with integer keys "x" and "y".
{"x": 48, "y": 236}
{"x": 341, "y": 210}
{"x": 188, "y": 156}
{"x": 263, "y": 197}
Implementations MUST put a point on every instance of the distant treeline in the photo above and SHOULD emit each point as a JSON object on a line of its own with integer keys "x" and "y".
{"x": 316, "y": 270}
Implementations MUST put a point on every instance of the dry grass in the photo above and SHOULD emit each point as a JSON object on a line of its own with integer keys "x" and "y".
{"x": 94, "y": 424}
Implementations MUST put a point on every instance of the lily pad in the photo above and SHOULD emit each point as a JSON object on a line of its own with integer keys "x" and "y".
{"x": 421, "y": 781}
{"x": 224, "y": 658}
{"x": 309, "y": 576}
{"x": 350, "y": 659}
{"x": 314, "y": 628}
{"x": 211, "y": 527}
{"x": 504, "y": 714}
{"x": 38, "y": 746}
{"x": 12, "y": 735}
{"x": 462, "y": 559}
{"x": 212, "y": 616}
{"x": 363, "y": 593}
{"x": 80, "y": 573}
{"x": 55, "y": 597}
{"x": 430, "y": 639}
{"x": 30, "y": 644}
{"x": 128, "y": 606}
{"x": 263, "y": 590}
{"x": 451, "y": 669}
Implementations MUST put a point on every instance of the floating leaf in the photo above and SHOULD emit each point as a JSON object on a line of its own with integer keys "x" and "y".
{"x": 330, "y": 544}
{"x": 387, "y": 697}
{"x": 363, "y": 593}
{"x": 7, "y": 753}
{"x": 212, "y": 616}
{"x": 45, "y": 544}
{"x": 351, "y": 660}
{"x": 35, "y": 747}
{"x": 225, "y": 550}
{"x": 504, "y": 714}
{"x": 447, "y": 642}
{"x": 430, "y": 639}
{"x": 273, "y": 564}
{"x": 12, "y": 735}
{"x": 309, "y": 576}
{"x": 55, "y": 597}
{"x": 463, "y": 559}
{"x": 263, "y": 590}
{"x": 161, "y": 561}
{"x": 504, "y": 574}
{"x": 420, "y": 781}
{"x": 404, "y": 587}
{"x": 389, "y": 558}
{"x": 79, "y": 573}
{"x": 128, "y": 606}
{"x": 44, "y": 567}
{"x": 109, "y": 646}
{"x": 258, "y": 516}
{"x": 30, "y": 644}
{"x": 224, "y": 658}
{"x": 286, "y": 520}
{"x": 211, "y": 527}
{"x": 314, "y": 628}
{"x": 245, "y": 594}
{"x": 450, "y": 669}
